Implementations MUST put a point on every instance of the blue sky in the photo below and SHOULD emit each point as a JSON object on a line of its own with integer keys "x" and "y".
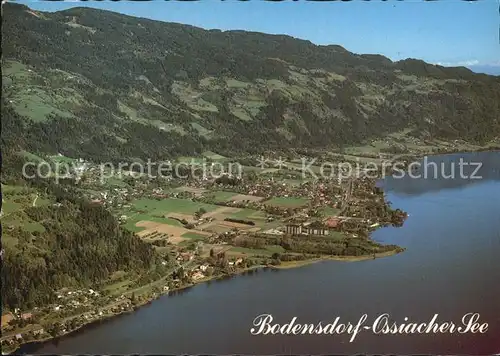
{"x": 448, "y": 32}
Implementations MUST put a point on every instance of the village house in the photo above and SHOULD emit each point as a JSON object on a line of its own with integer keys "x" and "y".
{"x": 198, "y": 275}
{"x": 26, "y": 316}
{"x": 186, "y": 256}
{"x": 332, "y": 222}
{"x": 38, "y": 331}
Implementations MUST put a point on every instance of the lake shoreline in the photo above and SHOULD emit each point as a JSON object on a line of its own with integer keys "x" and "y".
{"x": 283, "y": 266}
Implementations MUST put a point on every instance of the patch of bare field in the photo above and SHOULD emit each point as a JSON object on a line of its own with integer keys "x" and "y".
{"x": 174, "y": 232}
{"x": 194, "y": 190}
{"x": 243, "y": 197}
{"x": 215, "y": 228}
{"x": 254, "y": 229}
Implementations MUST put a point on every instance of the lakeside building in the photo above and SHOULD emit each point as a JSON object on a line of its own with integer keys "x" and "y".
{"x": 308, "y": 228}
{"x": 293, "y": 229}
{"x": 316, "y": 228}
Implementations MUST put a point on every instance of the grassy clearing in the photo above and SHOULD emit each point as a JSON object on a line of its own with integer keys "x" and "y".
{"x": 170, "y": 205}
{"x": 191, "y": 97}
{"x": 62, "y": 159}
{"x": 115, "y": 182}
{"x": 200, "y": 129}
{"x": 361, "y": 159}
{"x": 155, "y": 210}
{"x": 31, "y": 157}
{"x": 19, "y": 219}
{"x": 267, "y": 251}
{"x": 191, "y": 160}
{"x": 37, "y": 103}
{"x": 220, "y": 195}
{"x": 249, "y": 214}
{"x": 193, "y": 235}
{"x": 134, "y": 219}
{"x": 118, "y": 288}
{"x": 337, "y": 235}
{"x": 329, "y": 211}
{"x": 299, "y": 166}
{"x": 294, "y": 182}
{"x": 287, "y": 202}
{"x": 214, "y": 156}
{"x": 14, "y": 200}
{"x": 10, "y": 206}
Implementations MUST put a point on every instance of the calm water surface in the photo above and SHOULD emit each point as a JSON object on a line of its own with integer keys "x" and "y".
{"x": 451, "y": 267}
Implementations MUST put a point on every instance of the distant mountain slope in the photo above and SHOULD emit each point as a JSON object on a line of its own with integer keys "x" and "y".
{"x": 488, "y": 69}
{"x": 101, "y": 85}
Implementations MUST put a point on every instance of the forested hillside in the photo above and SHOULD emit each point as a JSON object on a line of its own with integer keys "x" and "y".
{"x": 63, "y": 241}
{"x": 101, "y": 85}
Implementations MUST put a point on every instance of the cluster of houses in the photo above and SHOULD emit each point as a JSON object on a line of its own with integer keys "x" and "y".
{"x": 12, "y": 337}
{"x": 9, "y": 317}
{"x": 71, "y": 299}
{"x": 66, "y": 300}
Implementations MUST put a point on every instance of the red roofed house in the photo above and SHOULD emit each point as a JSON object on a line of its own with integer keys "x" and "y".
{"x": 26, "y": 316}
{"x": 332, "y": 223}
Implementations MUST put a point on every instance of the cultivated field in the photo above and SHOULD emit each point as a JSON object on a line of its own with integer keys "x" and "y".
{"x": 220, "y": 196}
{"x": 329, "y": 211}
{"x": 175, "y": 234}
{"x": 221, "y": 226}
{"x": 178, "y": 216}
{"x": 287, "y": 202}
{"x": 225, "y": 196}
{"x": 244, "y": 197}
{"x": 159, "y": 211}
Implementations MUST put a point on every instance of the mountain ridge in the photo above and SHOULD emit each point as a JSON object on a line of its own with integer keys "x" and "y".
{"x": 187, "y": 89}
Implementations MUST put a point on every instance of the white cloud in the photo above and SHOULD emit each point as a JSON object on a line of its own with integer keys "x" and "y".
{"x": 472, "y": 62}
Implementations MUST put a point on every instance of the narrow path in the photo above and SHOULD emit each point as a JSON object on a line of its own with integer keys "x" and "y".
{"x": 34, "y": 201}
